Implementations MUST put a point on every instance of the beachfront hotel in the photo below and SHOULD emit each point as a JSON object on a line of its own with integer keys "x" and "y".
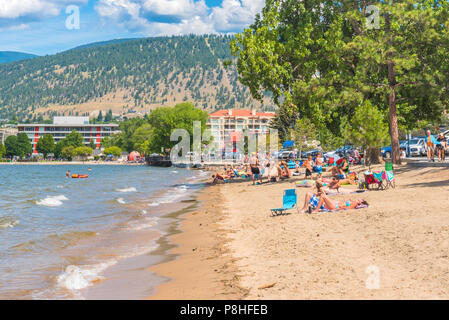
{"x": 6, "y": 132}
{"x": 62, "y": 126}
{"x": 227, "y": 125}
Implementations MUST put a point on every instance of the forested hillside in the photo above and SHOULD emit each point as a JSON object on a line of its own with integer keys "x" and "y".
{"x": 10, "y": 56}
{"x": 128, "y": 77}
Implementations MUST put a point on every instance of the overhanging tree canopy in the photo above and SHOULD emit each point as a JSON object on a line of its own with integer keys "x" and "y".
{"x": 321, "y": 59}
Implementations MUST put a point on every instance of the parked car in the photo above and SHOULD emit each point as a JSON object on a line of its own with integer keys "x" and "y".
{"x": 386, "y": 151}
{"x": 287, "y": 155}
{"x": 417, "y": 147}
{"x": 313, "y": 153}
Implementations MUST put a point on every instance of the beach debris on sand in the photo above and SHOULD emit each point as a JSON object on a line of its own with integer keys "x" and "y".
{"x": 266, "y": 286}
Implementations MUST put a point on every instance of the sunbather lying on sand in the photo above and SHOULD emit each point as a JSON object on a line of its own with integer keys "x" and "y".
{"x": 333, "y": 205}
{"x": 219, "y": 178}
{"x": 319, "y": 200}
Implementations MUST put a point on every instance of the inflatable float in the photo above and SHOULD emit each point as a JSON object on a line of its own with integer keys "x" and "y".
{"x": 79, "y": 176}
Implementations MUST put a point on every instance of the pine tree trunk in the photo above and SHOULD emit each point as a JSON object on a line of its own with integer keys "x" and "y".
{"x": 394, "y": 132}
{"x": 373, "y": 156}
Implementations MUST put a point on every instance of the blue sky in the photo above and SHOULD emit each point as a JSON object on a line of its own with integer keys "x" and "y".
{"x": 39, "y": 26}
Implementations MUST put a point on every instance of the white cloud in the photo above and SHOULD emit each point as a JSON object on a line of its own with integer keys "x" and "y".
{"x": 177, "y": 8}
{"x": 173, "y": 17}
{"x": 191, "y": 26}
{"x": 235, "y": 14}
{"x": 16, "y": 13}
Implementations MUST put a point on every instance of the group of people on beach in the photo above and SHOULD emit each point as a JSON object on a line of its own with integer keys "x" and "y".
{"x": 255, "y": 167}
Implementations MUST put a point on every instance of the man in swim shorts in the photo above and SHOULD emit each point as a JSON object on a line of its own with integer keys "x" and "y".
{"x": 254, "y": 165}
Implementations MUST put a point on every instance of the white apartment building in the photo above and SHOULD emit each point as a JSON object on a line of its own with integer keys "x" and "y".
{"x": 228, "y": 125}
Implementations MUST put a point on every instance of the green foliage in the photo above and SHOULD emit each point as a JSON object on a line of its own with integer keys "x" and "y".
{"x": 74, "y": 139}
{"x": 58, "y": 148}
{"x": 24, "y": 147}
{"x": 2, "y": 150}
{"x": 143, "y": 147}
{"x": 304, "y": 133}
{"x": 108, "y": 117}
{"x": 142, "y": 134}
{"x": 164, "y": 120}
{"x": 367, "y": 129}
{"x": 92, "y": 144}
{"x": 68, "y": 152}
{"x": 100, "y": 117}
{"x": 115, "y": 151}
{"x": 141, "y": 138}
{"x": 125, "y": 140}
{"x": 106, "y": 142}
{"x": 320, "y": 61}
{"x": 46, "y": 145}
{"x": 11, "y": 146}
{"x": 83, "y": 151}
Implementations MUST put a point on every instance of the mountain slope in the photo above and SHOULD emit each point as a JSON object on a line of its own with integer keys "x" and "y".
{"x": 103, "y": 43}
{"x": 10, "y": 56}
{"x": 129, "y": 77}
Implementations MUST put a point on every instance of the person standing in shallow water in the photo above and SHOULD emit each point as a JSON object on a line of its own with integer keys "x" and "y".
{"x": 67, "y": 174}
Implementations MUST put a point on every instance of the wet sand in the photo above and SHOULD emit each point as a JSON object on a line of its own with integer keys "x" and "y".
{"x": 232, "y": 248}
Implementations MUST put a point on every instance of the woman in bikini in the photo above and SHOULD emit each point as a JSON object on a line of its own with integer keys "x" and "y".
{"x": 319, "y": 200}
{"x": 333, "y": 205}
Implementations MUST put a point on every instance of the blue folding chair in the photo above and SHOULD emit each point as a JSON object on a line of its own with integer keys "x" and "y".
{"x": 290, "y": 201}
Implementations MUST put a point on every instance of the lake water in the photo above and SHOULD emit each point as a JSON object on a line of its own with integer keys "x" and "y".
{"x": 66, "y": 238}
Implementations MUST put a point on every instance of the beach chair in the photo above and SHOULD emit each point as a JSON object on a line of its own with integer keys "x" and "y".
{"x": 374, "y": 180}
{"x": 388, "y": 176}
{"x": 289, "y": 201}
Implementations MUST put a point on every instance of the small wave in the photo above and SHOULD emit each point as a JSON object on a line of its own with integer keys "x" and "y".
{"x": 147, "y": 223}
{"x": 6, "y": 223}
{"x": 52, "y": 201}
{"x": 120, "y": 200}
{"x": 60, "y": 187}
{"x": 130, "y": 189}
{"x": 154, "y": 204}
{"x": 174, "y": 194}
{"x": 76, "y": 277}
{"x": 174, "y": 171}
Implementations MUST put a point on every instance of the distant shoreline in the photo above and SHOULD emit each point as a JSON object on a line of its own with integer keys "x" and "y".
{"x": 58, "y": 163}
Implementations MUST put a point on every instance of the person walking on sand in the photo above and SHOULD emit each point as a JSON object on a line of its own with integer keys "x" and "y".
{"x": 430, "y": 144}
{"x": 254, "y": 165}
{"x": 441, "y": 147}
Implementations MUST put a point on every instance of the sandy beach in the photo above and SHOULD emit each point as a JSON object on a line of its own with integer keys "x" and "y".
{"x": 232, "y": 248}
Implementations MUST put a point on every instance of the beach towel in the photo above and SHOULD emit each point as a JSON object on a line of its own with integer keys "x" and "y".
{"x": 362, "y": 206}
{"x": 314, "y": 202}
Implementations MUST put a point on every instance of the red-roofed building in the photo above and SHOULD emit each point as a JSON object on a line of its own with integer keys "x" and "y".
{"x": 229, "y": 124}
